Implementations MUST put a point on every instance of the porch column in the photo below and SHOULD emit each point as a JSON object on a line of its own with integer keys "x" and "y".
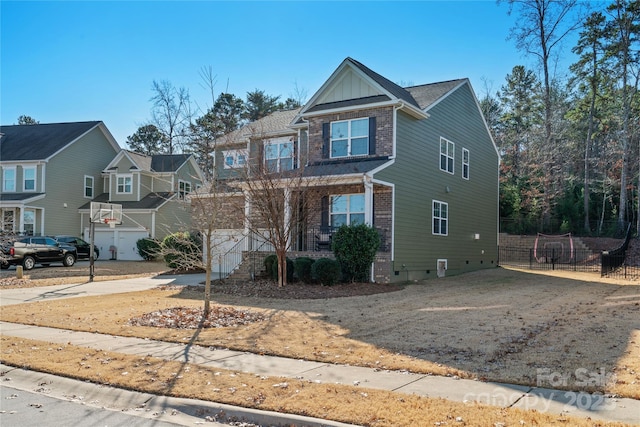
{"x": 368, "y": 200}
{"x": 247, "y": 214}
{"x": 287, "y": 215}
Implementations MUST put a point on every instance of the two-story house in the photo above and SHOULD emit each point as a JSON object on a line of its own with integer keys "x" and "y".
{"x": 417, "y": 163}
{"x": 151, "y": 191}
{"x": 48, "y": 171}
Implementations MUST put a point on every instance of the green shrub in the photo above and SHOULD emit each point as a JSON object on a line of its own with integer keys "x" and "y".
{"x": 179, "y": 249}
{"x": 148, "y": 248}
{"x": 290, "y": 268}
{"x": 269, "y": 262}
{"x": 302, "y": 268}
{"x": 355, "y": 248}
{"x": 326, "y": 271}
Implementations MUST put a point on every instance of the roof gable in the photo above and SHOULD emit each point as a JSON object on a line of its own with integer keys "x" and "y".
{"x": 43, "y": 141}
{"x": 353, "y": 84}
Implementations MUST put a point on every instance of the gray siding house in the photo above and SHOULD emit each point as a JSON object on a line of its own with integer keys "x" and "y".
{"x": 48, "y": 171}
{"x": 417, "y": 163}
{"x": 152, "y": 191}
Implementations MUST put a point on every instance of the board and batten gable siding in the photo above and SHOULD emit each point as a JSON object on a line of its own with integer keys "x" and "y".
{"x": 64, "y": 178}
{"x": 472, "y": 204}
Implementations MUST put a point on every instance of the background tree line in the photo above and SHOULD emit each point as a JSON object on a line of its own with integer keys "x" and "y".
{"x": 569, "y": 143}
{"x": 178, "y": 125}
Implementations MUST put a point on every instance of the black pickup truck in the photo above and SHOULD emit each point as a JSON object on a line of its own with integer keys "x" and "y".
{"x": 29, "y": 251}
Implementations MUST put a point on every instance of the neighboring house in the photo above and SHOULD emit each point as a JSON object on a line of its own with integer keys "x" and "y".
{"x": 48, "y": 171}
{"x": 151, "y": 190}
{"x": 416, "y": 163}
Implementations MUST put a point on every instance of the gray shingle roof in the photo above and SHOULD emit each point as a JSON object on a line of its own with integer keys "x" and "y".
{"x": 274, "y": 123}
{"x": 390, "y": 86}
{"x": 427, "y": 94}
{"x": 15, "y": 197}
{"x": 346, "y": 167}
{"x": 168, "y": 162}
{"x": 150, "y": 201}
{"x": 41, "y": 141}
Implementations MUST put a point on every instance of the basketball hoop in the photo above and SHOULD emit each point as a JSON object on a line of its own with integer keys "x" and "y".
{"x": 111, "y": 222}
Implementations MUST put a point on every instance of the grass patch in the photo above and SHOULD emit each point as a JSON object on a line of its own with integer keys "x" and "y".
{"x": 342, "y": 403}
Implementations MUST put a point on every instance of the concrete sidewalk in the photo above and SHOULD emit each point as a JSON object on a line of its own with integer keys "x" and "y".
{"x": 84, "y": 289}
{"x": 498, "y": 394}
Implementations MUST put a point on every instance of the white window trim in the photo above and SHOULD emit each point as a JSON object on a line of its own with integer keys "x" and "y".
{"x": 447, "y": 156}
{"x": 349, "y": 212}
{"x": 84, "y": 187}
{"x": 4, "y": 179}
{"x": 118, "y": 176}
{"x": 278, "y": 142}
{"x": 182, "y": 188}
{"x": 348, "y": 138}
{"x": 24, "y": 178}
{"x": 465, "y": 151}
{"x": 433, "y": 217}
{"x": 236, "y": 154}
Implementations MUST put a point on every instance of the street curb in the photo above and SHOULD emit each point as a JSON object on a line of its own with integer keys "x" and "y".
{"x": 176, "y": 410}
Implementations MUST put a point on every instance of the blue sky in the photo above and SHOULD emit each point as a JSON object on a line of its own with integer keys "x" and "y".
{"x": 76, "y": 61}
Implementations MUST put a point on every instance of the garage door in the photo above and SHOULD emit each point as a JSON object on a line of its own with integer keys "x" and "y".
{"x": 123, "y": 240}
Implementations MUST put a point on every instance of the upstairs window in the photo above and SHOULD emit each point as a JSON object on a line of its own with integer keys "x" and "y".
{"x": 184, "y": 188}
{"x": 29, "y": 179}
{"x": 88, "y": 186}
{"x": 465, "y": 163}
{"x": 440, "y": 218}
{"x": 350, "y": 138}
{"x": 234, "y": 159}
{"x": 347, "y": 209}
{"x": 278, "y": 155}
{"x": 124, "y": 184}
{"x": 9, "y": 179}
{"x": 447, "y": 151}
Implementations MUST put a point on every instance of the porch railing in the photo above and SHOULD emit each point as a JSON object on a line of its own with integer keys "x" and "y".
{"x": 319, "y": 239}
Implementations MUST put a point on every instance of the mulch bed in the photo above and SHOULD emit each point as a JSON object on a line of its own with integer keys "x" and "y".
{"x": 269, "y": 289}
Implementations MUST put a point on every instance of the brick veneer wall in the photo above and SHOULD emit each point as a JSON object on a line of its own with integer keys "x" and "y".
{"x": 384, "y": 130}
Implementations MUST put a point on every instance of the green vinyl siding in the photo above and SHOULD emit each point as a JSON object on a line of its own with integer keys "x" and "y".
{"x": 64, "y": 181}
{"x": 472, "y": 203}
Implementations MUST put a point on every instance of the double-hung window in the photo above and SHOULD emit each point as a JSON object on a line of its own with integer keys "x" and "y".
{"x": 278, "y": 155}
{"x": 440, "y": 218}
{"x": 9, "y": 179}
{"x": 88, "y": 186}
{"x": 124, "y": 184}
{"x": 447, "y": 151}
{"x": 350, "y": 138}
{"x": 29, "y": 179}
{"x": 347, "y": 209}
{"x": 184, "y": 188}
{"x": 234, "y": 159}
{"x": 465, "y": 163}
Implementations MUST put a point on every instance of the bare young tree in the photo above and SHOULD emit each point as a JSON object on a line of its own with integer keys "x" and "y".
{"x": 278, "y": 198}
{"x": 211, "y": 210}
{"x": 171, "y": 112}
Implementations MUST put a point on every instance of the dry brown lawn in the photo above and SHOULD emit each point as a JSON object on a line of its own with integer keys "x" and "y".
{"x": 79, "y": 273}
{"x": 499, "y": 325}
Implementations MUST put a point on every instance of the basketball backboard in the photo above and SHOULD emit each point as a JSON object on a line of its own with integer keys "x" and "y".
{"x": 106, "y": 213}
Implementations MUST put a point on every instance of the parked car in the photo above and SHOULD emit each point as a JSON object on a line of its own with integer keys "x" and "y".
{"x": 29, "y": 251}
{"x": 82, "y": 247}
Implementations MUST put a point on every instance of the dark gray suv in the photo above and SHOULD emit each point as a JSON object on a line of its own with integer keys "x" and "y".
{"x": 30, "y": 251}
